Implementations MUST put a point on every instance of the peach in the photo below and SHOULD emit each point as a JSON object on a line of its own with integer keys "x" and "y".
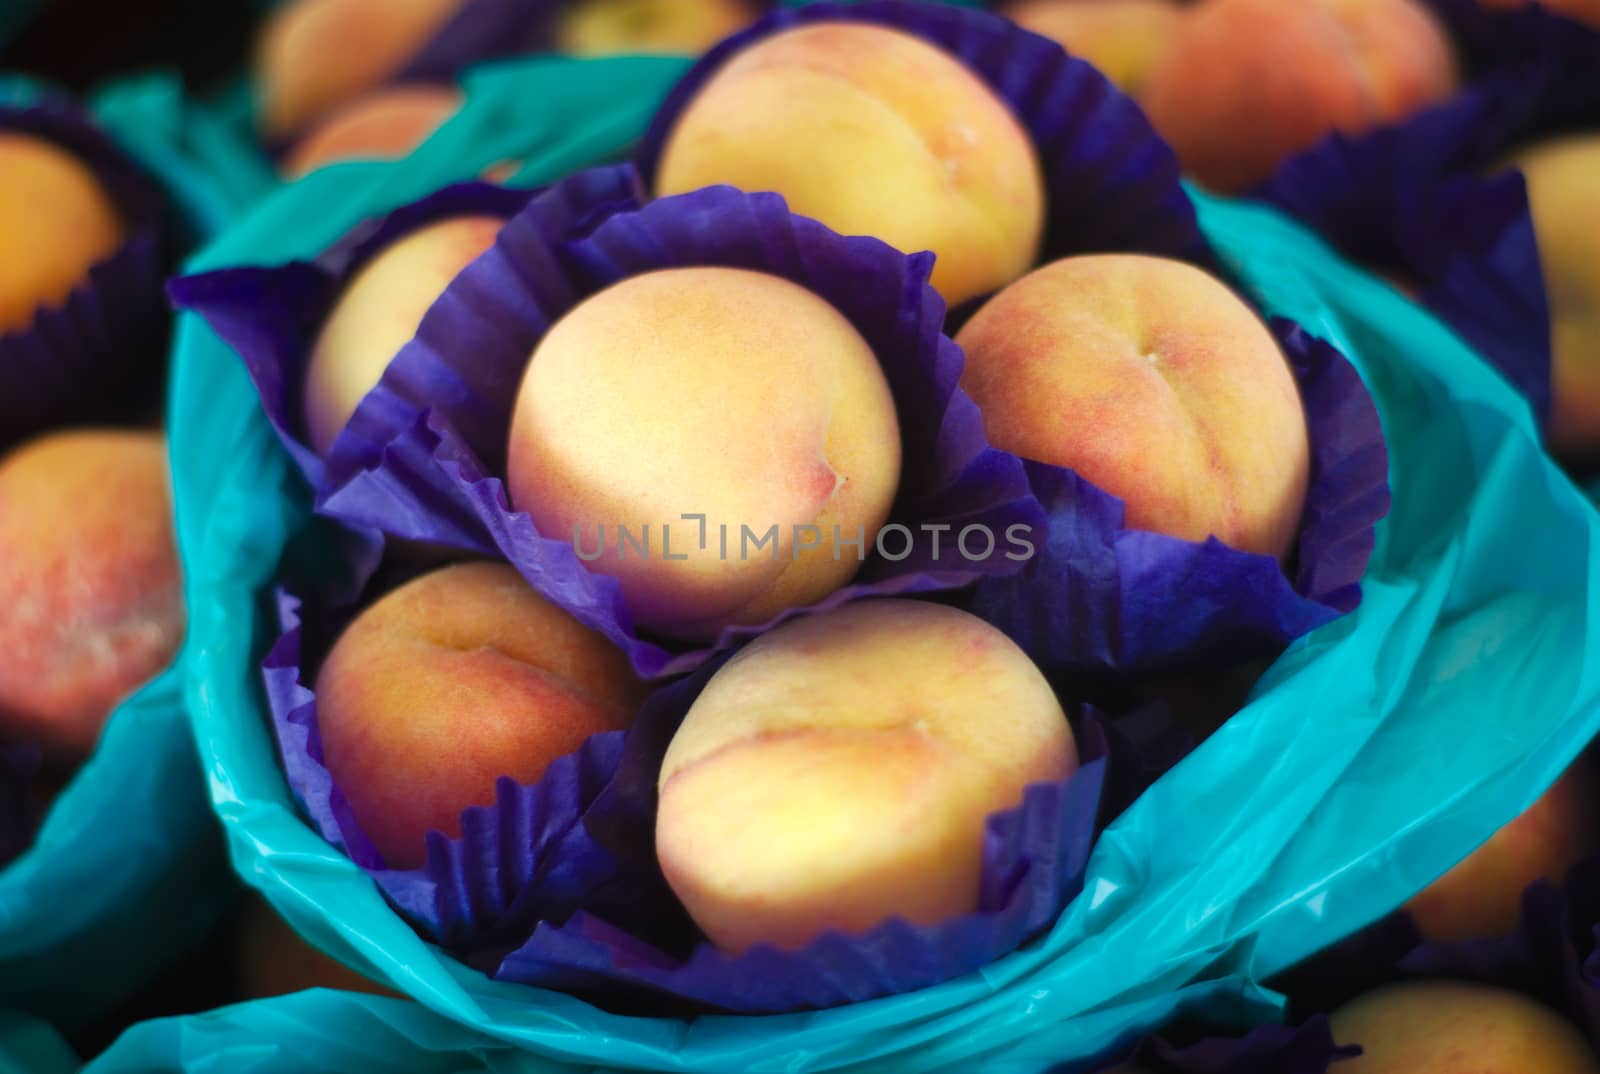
{"x": 724, "y": 393}
{"x": 1561, "y": 190}
{"x": 1482, "y": 896}
{"x": 841, "y": 769}
{"x": 873, "y": 132}
{"x": 91, "y": 599}
{"x": 1248, "y": 83}
{"x": 316, "y": 55}
{"x": 1125, "y": 39}
{"x": 453, "y": 680}
{"x": 1153, "y": 381}
{"x": 1446, "y": 1027}
{"x": 379, "y": 312}
{"x": 275, "y": 961}
{"x": 56, "y": 223}
{"x": 599, "y": 27}
{"x": 386, "y": 124}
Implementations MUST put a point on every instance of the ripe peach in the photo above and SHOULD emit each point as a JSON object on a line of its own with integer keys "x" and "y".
{"x": 1446, "y": 1027}
{"x": 386, "y": 124}
{"x": 379, "y": 313}
{"x": 56, "y": 223}
{"x": 1482, "y": 896}
{"x": 1561, "y": 189}
{"x": 1125, "y": 39}
{"x": 1248, "y": 83}
{"x": 720, "y": 392}
{"x": 1154, "y": 381}
{"x": 316, "y": 55}
{"x": 841, "y": 769}
{"x": 598, "y": 27}
{"x": 873, "y": 132}
{"x": 275, "y": 961}
{"x": 91, "y": 599}
{"x": 449, "y": 682}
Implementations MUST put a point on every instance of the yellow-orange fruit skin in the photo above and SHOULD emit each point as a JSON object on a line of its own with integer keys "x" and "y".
{"x": 450, "y": 682}
{"x": 721, "y": 392}
{"x": 841, "y": 769}
{"x": 91, "y": 596}
{"x": 1153, "y": 381}
{"x": 1248, "y": 83}
{"x": 873, "y": 132}
{"x": 1448, "y": 1027}
{"x": 316, "y": 55}
{"x": 379, "y": 313}
{"x": 1125, "y": 39}
{"x": 56, "y": 223}
{"x": 602, "y": 27}
{"x": 1563, "y": 194}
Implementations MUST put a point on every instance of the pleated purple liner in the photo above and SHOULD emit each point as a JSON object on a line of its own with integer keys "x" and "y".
{"x": 426, "y": 447}
{"x": 1420, "y": 198}
{"x": 19, "y": 764}
{"x": 271, "y": 316}
{"x": 1111, "y": 183}
{"x": 99, "y": 355}
{"x": 1101, "y": 600}
{"x": 557, "y": 883}
{"x": 1307, "y": 1048}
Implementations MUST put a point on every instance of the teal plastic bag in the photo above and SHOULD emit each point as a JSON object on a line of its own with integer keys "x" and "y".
{"x": 29, "y": 1046}
{"x": 1377, "y": 752}
{"x": 128, "y": 868}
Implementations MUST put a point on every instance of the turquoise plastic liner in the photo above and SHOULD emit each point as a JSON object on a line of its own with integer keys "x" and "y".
{"x": 128, "y": 868}
{"x": 1376, "y": 753}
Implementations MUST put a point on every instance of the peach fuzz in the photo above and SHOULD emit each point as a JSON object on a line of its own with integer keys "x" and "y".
{"x": 91, "y": 599}
{"x": 1446, "y": 1027}
{"x": 384, "y": 125}
{"x": 723, "y": 392}
{"x": 56, "y": 223}
{"x": 1562, "y": 191}
{"x": 873, "y": 132}
{"x": 1482, "y": 896}
{"x": 1125, "y": 39}
{"x": 1152, "y": 380}
{"x": 1248, "y": 83}
{"x": 841, "y": 769}
{"x": 315, "y": 55}
{"x": 274, "y": 961}
{"x": 453, "y": 680}
{"x": 600, "y": 27}
{"x": 379, "y": 313}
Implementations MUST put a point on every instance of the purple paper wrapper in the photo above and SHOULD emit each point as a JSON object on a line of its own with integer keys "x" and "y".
{"x": 271, "y": 316}
{"x": 1419, "y": 199}
{"x": 1101, "y": 600}
{"x": 99, "y": 355}
{"x": 557, "y": 883}
{"x": 1111, "y": 183}
{"x": 426, "y": 446}
{"x": 19, "y": 764}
